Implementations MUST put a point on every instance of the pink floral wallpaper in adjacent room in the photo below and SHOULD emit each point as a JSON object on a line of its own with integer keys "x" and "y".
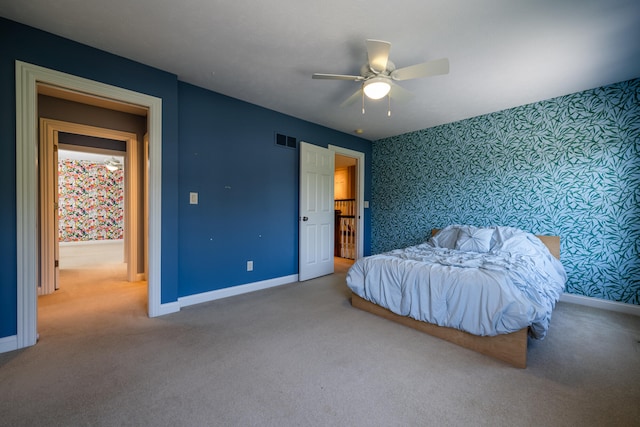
{"x": 91, "y": 201}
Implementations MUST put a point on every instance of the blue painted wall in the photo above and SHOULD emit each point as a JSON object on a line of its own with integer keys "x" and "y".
{"x": 231, "y": 138}
{"x": 569, "y": 166}
{"x": 19, "y": 42}
{"x": 247, "y": 187}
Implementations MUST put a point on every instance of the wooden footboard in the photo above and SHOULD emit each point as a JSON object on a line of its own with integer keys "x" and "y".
{"x": 510, "y": 348}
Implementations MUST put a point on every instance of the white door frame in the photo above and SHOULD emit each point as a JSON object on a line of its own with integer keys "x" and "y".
{"x": 359, "y": 156}
{"x": 27, "y": 78}
{"x": 49, "y": 130}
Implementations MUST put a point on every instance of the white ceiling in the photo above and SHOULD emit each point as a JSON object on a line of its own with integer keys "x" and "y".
{"x": 502, "y": 53}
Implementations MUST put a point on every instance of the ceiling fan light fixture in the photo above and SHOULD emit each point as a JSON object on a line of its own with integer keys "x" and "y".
{"x": 376, "y": 88}
{"x": 113, "y": 164}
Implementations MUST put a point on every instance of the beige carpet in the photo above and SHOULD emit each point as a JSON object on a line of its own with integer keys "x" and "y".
{"x": 300, "y": 355}
{"x": 91, "y": 298}
{"x": 88, "y": 254}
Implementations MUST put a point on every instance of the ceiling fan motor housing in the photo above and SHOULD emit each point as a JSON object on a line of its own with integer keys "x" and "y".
{"x": 367, "y": 72}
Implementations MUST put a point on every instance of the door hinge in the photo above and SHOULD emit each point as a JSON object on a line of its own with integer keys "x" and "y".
{"x": 55, "y": 206}
{"x": 57, "y": 263}
{"x": 55, "y": 147}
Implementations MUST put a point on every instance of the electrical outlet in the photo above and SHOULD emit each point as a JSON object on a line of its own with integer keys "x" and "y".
{"x": 193, "y": 198}
{"x": 249, "y": 265}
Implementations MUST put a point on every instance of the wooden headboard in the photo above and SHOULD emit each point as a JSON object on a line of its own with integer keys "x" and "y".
{"x": 551, "y": 242}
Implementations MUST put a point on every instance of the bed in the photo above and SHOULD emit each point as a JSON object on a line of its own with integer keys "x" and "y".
{"x": 485, "y": 288}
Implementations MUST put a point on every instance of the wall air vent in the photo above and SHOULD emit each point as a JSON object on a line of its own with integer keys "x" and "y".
{"x": 286, "y": 141}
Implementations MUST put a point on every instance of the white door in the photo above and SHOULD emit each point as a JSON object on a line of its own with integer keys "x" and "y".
{"x": 56, "y": 217}
{"x": 316, "y": 211}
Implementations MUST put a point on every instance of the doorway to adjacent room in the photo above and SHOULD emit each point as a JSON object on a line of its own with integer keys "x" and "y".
{"x": 29, "y": 78}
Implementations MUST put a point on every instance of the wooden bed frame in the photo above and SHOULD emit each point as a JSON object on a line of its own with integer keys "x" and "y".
{"x": 510, "y": 348}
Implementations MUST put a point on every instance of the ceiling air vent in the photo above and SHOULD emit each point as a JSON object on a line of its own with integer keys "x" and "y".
{"x": 286, "y": 141}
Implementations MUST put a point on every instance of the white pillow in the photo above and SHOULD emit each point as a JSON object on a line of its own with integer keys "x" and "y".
{"x": 472, "y": 239}
{"x": 446, "y": 238}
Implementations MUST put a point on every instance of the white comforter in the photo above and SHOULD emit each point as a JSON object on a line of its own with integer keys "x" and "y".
{"x": 514, "y": 285}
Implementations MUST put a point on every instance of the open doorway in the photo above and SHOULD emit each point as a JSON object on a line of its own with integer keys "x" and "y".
{"x": 55, "y": 134}
{"x": 93, "y": 290}
{"x": 29, "y": 80}
{"x": 348, "y": 205}
{"x": 316, "y": 244}
{"x": 91, "y": 197}
{"x": 92, "y": 192}
{"x": 345, "y": 207}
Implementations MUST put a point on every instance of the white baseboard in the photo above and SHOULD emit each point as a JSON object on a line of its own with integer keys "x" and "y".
{"x": 168, "y": 308}
{"x": 619, "y": 307}
{"x": 8, "y": 343}
{"x": 235, "y": 290}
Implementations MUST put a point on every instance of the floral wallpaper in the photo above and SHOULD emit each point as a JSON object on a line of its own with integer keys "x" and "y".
{"x": 569, "y": 166}
{"x": 91, "y": 201}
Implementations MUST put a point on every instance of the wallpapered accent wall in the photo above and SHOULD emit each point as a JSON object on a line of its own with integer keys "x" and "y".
{"x": 91, "y": 201}
{"x": 569, "y": 166}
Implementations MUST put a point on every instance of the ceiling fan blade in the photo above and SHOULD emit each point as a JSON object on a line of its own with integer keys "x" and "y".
{"x": 378, "y": 53}
{"x": 336, "y": 77}
{"x": 398, "y": 93}
{"x": 353, "y": 98}
{"x": 426, "y": 69}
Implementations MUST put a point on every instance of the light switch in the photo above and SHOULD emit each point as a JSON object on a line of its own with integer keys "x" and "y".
{"x": 366, "y": 204}
{"x": 193, "y": 198}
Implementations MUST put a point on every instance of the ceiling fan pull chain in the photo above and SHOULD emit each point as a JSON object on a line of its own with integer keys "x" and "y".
{"x": 363, "y": 102}
{"x": 389, "y": 108}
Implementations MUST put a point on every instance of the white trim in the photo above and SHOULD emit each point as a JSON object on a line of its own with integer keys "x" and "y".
{"x": 26, "y": 205}
{"x": 50, "y": 129}
{"x": 168, "y": 308}
{"x": 48, "y": 214}
{"x": 27, "y": 78}
{"x": 154, "y": 214}
{"x": 603, "y": 304}
{"x": 131, "y": 211}
{"x": 359, "y": 192}
{"x": 8, "y": 343}
{"x": 236, "y": 290}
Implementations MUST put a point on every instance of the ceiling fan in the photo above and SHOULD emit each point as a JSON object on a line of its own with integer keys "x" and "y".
{"x": 379, "y": 74}
{"x": 113, "y": 164}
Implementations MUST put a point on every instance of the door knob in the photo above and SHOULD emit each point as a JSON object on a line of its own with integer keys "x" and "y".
{"x": 304, "y": 218}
